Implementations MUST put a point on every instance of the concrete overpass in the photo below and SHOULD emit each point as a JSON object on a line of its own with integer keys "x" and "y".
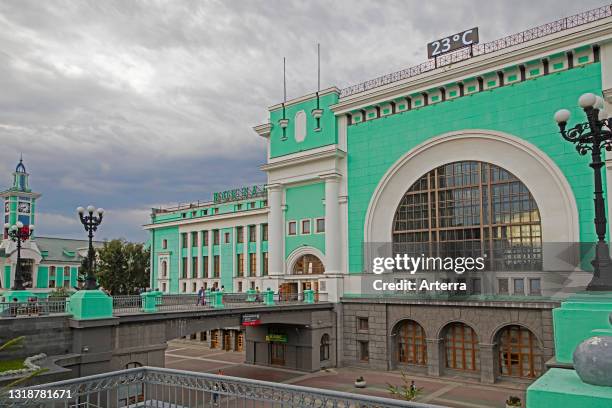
{"x": 86, "y": 347}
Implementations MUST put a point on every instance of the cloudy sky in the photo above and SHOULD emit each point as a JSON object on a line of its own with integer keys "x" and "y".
{"x": 130, "y": 105}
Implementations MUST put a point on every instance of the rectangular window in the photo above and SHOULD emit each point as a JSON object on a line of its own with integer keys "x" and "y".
{"x": 194, "y": 287}
{"x": 364, "y": 350}
{"x": 227, "y": 238}
{"x": 184, "y": 287}
{"x": 292, "y": 228}
{"x": 164, "y": 244}
{"x": 205, "y": 238}
{"x": 265, "y": 264}
{"x": 240, "y": 265}
{"x": 194, "y": 267}
{"x": 535, "y": 287}
{"x": 476, "y": 286}
{"x": 264, "y": 232}
{"x": 362, "y": 324}
{"x": 519, "y": 286}
{"x": 52, "y": 277}
{"x": 252, "y": 204}
{"x": 163, "y": 287}
{"x": 194, "y": 239}
{"x": 184, "y": 240}
{"x": 216, "y": 237}
{"x": 205, "y": 266}
{"x": 320, "y": 225}
{"x": 184, "y": 268}
{"x": 502, "y": 286}
{"x": 240, "y": 235}
{"x": 67, "y": 283}
{"x": 252, "y": 284}
{"x": 252, "y": 233}
{"x": 252, "y": 264}
{"x": 238, "y": 207}
{"x": 240, "y": 286}
{"x": 216, "y": 266}
{"x": 305, "y": 226}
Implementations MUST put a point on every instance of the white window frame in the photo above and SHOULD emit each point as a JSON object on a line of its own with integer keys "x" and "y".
{"x": 302, "y": 226}
{"x": 316, "y": 229}
{"x": 289, "y": 228}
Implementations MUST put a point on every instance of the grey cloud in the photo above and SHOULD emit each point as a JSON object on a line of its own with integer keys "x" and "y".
{"x": 129, "y": 103}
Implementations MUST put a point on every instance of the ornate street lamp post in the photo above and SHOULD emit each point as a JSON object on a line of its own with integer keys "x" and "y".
{"x": 90, "y": 222}
{"x": 593, "y": 135}
{"x": 17, "y": 233}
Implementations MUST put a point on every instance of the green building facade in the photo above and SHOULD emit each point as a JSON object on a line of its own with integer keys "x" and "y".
{"x": 464, "y": 157}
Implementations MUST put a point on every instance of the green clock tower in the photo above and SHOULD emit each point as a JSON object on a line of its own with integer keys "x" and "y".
{"x": 19, "y": 200}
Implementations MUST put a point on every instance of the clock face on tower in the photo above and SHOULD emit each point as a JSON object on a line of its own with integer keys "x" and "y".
{"x": 23, "y": 208}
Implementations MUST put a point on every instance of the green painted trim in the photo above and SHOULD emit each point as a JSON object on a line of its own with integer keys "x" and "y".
{"x": 452, "y": 94}
{"x": 491, "y": 83}
{"x": 583, "y": 59}
{"x": 402, "y": 107}
{"x": 512, "y": 78}
{"x": 471, "y": 88}
{"x": 560, "y": 387}
{"x": 558, "y": 65}
{"x": 534, "y": 72}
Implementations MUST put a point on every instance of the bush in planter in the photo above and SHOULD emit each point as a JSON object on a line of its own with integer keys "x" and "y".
{"x": 407, "y": 391}
{"x": 513, "y": 401}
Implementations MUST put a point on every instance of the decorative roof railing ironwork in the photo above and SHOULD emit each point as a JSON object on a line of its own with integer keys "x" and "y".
{"x": 163, "y": 387}
{"x": 482, "y": 49}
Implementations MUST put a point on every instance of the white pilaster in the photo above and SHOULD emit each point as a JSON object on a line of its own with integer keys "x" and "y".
{"x": 189, "y": 262}
{"x": 258, "y": 250}
{"x": 200, "y": 271}
{"x": 275, "y": 230}
{"x": 333, "y": 233}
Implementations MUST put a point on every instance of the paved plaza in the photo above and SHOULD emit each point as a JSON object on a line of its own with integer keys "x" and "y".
{"x": 445, "y": 391}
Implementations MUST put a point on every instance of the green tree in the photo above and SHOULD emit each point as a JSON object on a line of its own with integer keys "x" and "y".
{"x": 123, "y": 267}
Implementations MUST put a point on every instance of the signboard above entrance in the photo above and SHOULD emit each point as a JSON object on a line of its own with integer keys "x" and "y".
{"x": 276, "y": 338}
{"x": 452, "y": 43}
{"x": 252, "y": 319}
{"x": 242, "y": 193}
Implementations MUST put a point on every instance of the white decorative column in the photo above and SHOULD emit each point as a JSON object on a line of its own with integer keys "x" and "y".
{"x": 333, "y": 234}
{"x": 258, "y": 250}
{"x": 333, "y": 237}
{"x": 189, "y": 262}
{"x": 200, "y": 270}
{"x": 275, "y": 230}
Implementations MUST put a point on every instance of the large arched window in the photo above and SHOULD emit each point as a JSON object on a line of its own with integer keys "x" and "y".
{"x": 519, "y": 352}
{"x": 308, "y": 265}
{"x": 461, "y": 344}
{"x": 471, "y": 208}
{"x": 411, "y": 346}
{"x": 324, "y": 349}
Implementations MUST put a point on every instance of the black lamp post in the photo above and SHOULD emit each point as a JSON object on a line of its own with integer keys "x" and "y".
{"x": 593, "y": 135}
{"x": 90, "y": 222}
{"x": 17, "y": 233}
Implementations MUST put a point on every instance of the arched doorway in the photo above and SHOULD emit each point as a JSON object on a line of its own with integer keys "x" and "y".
{"x": 410, "y": 345}
{"x": 324, "y": 348}
{"x": 461, "y": 347}
{"x": 305, "y": 269}
{"x": 308, "y": 265}
{"x": 471, "y": 209}
{"x": 519, "y": 352}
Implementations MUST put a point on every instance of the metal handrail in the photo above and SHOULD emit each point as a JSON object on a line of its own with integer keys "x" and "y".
{"x": 39, "y": 307}
{"x": 481, "y": 49}
{"x": 163, "y": 387}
